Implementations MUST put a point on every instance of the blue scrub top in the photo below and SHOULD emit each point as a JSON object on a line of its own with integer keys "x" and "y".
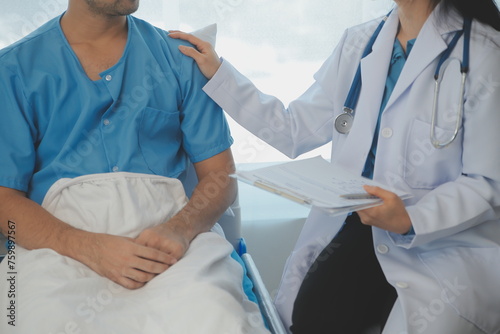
{"x": 398, "y": 61}
{"x": 148, "y": 113}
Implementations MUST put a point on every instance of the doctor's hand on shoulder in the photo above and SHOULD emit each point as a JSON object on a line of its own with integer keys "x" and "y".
{"x": 390, "y": 216}
{"x": 203, "y": 54}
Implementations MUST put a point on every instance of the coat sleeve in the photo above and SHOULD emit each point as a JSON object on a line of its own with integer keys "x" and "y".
{"x": 473, "y": 199}
{"x": 306, "y": 124}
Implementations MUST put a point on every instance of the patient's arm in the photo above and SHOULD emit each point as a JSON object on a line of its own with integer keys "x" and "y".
{"x": 120, "y": 259}
{"x": 211, "y": 197}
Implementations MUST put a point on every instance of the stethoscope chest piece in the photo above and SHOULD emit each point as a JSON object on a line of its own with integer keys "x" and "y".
{"x": 343, "y": 122}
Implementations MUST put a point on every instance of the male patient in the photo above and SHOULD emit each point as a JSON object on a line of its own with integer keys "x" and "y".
{"x": 100, "y": 115}
{"x": 98, "y": 91}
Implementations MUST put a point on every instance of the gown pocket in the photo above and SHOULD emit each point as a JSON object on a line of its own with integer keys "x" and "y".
{"x": 160, "y": 142}
{"x": 426, "y": 167}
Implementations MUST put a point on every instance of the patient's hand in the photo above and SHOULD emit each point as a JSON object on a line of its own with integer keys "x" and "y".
{"x": 168, "y": 238}
{"x": 202, "y": 210}
{"x": 124, "y": 261}
{"x": 205, "y": 56}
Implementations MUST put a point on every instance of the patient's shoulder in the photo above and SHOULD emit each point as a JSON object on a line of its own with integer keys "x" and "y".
{"x": 33, "y": 43}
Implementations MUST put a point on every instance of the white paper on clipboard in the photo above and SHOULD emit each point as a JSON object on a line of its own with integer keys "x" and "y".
{"x": 314, "y": 182}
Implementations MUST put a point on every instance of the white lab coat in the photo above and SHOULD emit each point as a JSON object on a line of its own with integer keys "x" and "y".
{"x": 447, "y": 275}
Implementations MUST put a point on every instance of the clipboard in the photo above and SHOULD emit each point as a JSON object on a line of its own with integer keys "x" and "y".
{"x": 316, "y": 183}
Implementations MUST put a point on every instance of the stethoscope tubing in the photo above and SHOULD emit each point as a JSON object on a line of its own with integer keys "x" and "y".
{"x": 464, "y": 69}
{"x": 343, "y": 122}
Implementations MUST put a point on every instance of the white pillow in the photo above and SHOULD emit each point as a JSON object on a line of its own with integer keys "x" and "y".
{"x": 208, "y": 33}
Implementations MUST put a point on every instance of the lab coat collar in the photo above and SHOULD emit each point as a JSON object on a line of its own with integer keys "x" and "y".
{"x": 430, "y": 43}
{"x": 374, "y": 69}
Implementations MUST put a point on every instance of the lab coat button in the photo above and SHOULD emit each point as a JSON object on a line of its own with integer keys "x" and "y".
{"x": 387, "y": 132}
{"x": 106, "y": 122}
{"x": 382, "y": 249}
{"x": 115, "y": 169}
{"x": 108, "y": 77}
{"x": 402, "y": 285}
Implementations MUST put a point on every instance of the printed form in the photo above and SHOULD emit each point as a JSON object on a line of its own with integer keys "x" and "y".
{"x": 315, "y": 182}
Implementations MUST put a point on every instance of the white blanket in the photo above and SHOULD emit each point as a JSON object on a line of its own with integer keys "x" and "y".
{"x": 202, "y": 293}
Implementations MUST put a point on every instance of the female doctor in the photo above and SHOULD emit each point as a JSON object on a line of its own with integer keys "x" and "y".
{"x": 423, "y": 116}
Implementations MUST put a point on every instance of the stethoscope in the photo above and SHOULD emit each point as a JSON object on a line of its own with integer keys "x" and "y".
{"x": 343, "y": 122}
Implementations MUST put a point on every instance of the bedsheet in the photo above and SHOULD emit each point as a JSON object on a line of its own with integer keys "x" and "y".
{"x": 54, "y": 294}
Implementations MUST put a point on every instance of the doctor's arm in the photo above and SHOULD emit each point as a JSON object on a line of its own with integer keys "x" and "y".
{"x": 304, "y": 125}
{"x": 472, "y": 200}
{"x": 390, "y": 216}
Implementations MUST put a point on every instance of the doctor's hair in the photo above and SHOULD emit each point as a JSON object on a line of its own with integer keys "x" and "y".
{"x": 485, "y": 11}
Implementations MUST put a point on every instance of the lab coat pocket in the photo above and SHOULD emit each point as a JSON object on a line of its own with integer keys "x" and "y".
{"x": 426, "y": 167}
{"x": 160, "y": 139}
{"x": 469, "y": 279}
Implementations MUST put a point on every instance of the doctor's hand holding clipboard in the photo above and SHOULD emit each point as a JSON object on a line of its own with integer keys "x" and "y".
{"x": 417, "y": 109}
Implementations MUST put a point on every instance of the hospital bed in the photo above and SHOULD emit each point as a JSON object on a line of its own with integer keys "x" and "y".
{"x": 269, "y": 312}
{"x": 231, "y": 225}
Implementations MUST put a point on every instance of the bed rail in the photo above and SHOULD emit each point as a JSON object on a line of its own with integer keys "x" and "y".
{"x": 267, "y": 307}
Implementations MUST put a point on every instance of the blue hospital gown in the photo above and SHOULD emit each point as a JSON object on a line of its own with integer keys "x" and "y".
{"x": 147, "y": 113}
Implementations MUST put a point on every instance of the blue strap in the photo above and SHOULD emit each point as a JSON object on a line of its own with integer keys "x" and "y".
{"x": 355, "y": 91}
{"x": 465, "y": 61}
{"x": 467, "y": 31}
{"x": 246, "y": 283}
